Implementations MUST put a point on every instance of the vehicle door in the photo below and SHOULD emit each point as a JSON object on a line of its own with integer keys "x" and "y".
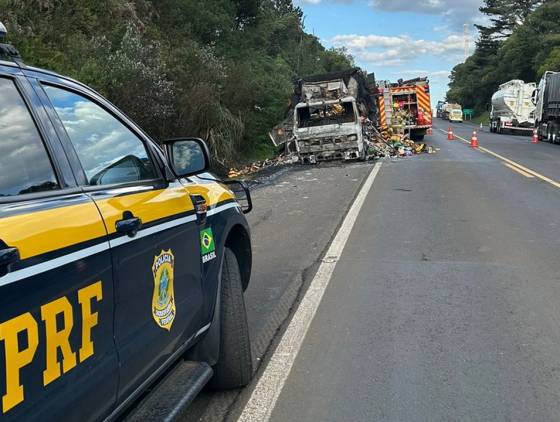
{"x": 152, "y": 228}
{"x": 57, "y": 355}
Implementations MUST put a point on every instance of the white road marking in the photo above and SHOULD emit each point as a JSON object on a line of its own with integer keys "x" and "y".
{"x": 264, "y": 396}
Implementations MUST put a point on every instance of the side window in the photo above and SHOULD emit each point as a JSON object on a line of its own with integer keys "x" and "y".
{"x": 24, "y": 162}
{"x": 108, "y": 151}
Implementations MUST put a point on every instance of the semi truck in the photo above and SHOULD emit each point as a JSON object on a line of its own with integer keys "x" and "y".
{"x": 513, "y": 108}
{"x": 547, "y": 100}
{"x": 410, "y": 99}
{"x": 327, "y": 116}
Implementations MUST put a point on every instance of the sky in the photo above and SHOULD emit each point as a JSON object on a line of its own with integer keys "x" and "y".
{"x": 398, "y": 38}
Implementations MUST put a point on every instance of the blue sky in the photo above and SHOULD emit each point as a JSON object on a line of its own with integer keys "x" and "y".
{"x": 397, "y": 38}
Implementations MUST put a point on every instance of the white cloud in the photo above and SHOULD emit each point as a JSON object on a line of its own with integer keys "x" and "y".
{"x": 454, "y": 11}
{"x": 381, "y": 50}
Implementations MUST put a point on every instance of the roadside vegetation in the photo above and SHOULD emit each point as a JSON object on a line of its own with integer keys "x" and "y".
{"x": 218, "y": 69}
{"x": 521, "y": 41}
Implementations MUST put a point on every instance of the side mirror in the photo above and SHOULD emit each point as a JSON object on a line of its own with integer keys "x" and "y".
{"x": 535, "y": 97}
{"x": 187, "y": 156}
{"x": 242, "y": 194}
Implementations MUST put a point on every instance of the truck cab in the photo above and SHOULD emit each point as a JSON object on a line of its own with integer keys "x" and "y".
{"x": 546, "y": 99}
{"x": 456, "y": 114}
{"x": 328, "y": 130}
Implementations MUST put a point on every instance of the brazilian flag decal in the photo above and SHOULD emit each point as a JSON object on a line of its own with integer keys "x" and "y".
{"x": 207, "y": 245}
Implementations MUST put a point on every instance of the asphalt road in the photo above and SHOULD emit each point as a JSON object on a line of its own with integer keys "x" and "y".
{"x": 296, "y": 212}
{"x": 445, "y": 303}
{"x": 543, "y": 157}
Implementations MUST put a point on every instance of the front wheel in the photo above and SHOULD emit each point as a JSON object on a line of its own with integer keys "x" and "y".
{"x": 234, "y": 368}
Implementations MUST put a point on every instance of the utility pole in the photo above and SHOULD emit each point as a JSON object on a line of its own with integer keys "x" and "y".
{"x": 466, "y": 40}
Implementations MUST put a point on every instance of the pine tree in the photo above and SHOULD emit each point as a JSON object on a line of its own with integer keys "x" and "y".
{"x": 505, "y": 16}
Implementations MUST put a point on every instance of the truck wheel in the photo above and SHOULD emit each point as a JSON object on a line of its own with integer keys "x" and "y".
{"x": 234, "y": 368}
{"x": 363, "y": 154}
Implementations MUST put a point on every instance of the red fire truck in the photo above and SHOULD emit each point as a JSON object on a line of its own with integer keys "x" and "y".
{"x": 411, "y": 100}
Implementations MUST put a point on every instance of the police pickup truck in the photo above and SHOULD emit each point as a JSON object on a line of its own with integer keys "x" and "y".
{"x": 122, "y": 263}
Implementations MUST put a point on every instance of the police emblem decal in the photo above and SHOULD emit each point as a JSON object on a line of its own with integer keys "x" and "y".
{"x": 207, "y": 245}
{"x": 163, "y": 299}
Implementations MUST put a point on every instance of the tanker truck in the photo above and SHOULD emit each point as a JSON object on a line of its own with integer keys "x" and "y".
{"x": 547, "y": 114}
{"x": 513, "y": 108}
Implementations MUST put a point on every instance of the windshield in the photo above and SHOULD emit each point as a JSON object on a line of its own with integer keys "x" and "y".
{"x": 326, "y": 114}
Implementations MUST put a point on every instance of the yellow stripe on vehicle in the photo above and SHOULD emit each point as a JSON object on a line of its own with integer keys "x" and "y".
{"x": 45, "y": 231}
{"x": 148, "y": 206}
{"x": 156, "y": 205}
{"x": 50, "y": 230}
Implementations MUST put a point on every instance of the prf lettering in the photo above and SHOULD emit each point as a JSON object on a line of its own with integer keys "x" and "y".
{"x": 57, "y": 340}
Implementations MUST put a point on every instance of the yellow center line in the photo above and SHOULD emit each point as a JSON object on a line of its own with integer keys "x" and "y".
{"x": 513, "y": 163}
{"x": 524, "y": 173}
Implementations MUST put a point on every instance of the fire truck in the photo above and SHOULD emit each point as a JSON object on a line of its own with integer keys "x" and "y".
{"x": 406, "y": 104}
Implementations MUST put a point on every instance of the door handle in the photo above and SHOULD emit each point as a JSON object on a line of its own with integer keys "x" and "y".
{"x": 200, "y": 208}
{"x": 129, "y": 224}
{"x": 8, "y": 256}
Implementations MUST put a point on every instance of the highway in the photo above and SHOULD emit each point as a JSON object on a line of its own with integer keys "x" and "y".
{"x": 437, "y": 300}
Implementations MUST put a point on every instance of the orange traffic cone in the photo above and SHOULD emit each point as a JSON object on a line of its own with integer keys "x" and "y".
{"x": 474, "y": 140}
{"x": 535, "y": 139}
{"x": 429, "y": 132}
{"x": 450, "y": 135}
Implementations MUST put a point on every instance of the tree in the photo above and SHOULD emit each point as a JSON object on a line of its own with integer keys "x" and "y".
{"x": 505, "y": 16}
{"x": 218, "y": 69}
{"x": 522, "y": 42}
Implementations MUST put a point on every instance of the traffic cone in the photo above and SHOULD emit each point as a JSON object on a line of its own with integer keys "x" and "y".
{"x": 450, "y": 135}
{"x": 429, "y": 132}
{"x": 474, "y": 140}
{"x": 535, "y": 139}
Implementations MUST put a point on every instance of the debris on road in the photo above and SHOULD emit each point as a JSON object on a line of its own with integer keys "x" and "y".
{"x": 394, "y": 142}
{"x": 281, "y": 160}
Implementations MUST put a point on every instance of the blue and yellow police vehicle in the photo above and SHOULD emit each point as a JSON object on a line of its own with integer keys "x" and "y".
{"x": 122, "y": 262}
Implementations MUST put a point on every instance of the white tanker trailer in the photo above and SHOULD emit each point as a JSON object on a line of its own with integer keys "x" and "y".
{"x": 512, "y": 107}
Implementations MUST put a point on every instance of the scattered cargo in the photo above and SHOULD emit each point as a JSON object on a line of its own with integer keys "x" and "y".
{"x": 512, "y": 107}
{"x": 345, "y": 115}
{"x": 547, "y": 113}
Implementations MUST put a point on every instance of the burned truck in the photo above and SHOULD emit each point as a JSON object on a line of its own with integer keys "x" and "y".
{"x": 328, "y": 116}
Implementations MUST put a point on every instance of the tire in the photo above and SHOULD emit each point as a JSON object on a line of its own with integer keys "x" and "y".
{"x": 234, "y": 368}
{"x": 363, "y": 154}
